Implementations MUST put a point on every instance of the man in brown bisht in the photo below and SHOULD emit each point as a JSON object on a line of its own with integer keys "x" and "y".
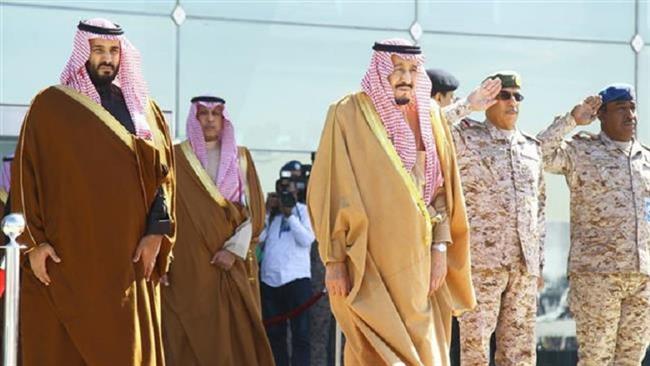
{"x": 210, "y": 314}
{"x": 93, "y": 176}
{"x": 388, "y": 210}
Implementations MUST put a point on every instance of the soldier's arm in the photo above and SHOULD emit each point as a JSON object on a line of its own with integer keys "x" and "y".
{"x": 557, "y": 156}
{"x": 455, "y": 112}
{"x": 541, "y": 218}
{"x": 480, "y": 99}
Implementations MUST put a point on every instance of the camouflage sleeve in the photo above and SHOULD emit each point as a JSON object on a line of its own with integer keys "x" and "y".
{"x": 455, "y": 112}
{"x": 459, "y": 142}
{"x": 541, "y": 218}
{"x": 557, "y": 157}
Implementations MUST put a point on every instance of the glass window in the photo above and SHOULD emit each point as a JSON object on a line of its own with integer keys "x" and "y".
{"x": 383, "y": 14}
{"x": 277, "y": 80}
{"x": 643, "y": 96}
{"x": 161, "y": 7}
{"x": 580, "y": 19}
{"x": 644, "y": 21}
{"x": 36, "y": 59}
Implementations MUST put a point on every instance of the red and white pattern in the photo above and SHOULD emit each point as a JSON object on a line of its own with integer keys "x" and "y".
{"x": 229, "y": 179}
{"x": 375, "y": 83}
{"x": 129, "y": 77}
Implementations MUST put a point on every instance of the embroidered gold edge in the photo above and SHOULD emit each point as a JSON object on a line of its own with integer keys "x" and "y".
{"x": 100, "y": 112}
{"x": 377, "y": 128}
{"x": 200, "y": 172}
{"x": 243, "y": 167}
{"x": 4, "y": 196}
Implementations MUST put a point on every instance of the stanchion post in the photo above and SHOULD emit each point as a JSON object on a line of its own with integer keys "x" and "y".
{"x": 12, "y": 225}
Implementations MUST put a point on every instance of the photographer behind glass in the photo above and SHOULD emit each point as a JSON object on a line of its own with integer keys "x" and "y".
{"x": 286, "y": 271}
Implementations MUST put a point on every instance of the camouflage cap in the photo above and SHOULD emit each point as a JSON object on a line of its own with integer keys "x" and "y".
{"x": 509, "y": 79}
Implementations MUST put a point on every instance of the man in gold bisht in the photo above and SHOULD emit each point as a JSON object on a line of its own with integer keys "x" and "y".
{"x": 389, "y": 215}
{"x": 93, "y": 176}
{"x": 211, "y": 315}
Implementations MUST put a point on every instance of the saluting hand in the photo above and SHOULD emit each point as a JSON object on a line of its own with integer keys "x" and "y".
{"x": 148, "y": 250}
{"x": 586, "y": 112}
{"x": 484, "y": 96}
{"x": 38, "y": 261}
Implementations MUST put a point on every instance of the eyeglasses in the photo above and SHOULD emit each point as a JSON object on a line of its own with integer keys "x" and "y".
{"x": 506, "y": 95}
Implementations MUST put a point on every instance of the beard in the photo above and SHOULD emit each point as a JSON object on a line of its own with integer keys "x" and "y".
{"x": 402, "y": 101}
{"x": 101, "y": 79}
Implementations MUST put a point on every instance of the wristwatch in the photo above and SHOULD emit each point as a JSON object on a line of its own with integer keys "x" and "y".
{"x": 441, "y": 247}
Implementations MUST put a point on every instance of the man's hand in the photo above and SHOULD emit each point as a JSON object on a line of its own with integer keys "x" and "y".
{"x": 164, "y": 280}
{"x": 337, "y": 279}
{"x": 484, "y": 96}
{"x": 224, "y": 259}
{"x": 148, "y": 250}
{"x": 38, "y": 261}
{"x": 287, "y": 211}
{"x": 438, "y": 270}
{"x": 586, "y": 112}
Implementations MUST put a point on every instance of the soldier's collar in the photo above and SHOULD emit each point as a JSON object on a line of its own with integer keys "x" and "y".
{"x": 611, "y": 146}
{"x": 497, "y": 134}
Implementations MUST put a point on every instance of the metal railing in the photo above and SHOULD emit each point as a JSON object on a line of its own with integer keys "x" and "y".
{"x": 12, "y": 225}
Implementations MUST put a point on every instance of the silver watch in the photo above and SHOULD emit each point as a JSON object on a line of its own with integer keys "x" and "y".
{"x": 441, "y": 247}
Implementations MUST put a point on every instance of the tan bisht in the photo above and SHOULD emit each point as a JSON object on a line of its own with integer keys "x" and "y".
{"x": 210, "y": 316}
{"x": 368, "y": 212}
{"x": 85, "y": 186}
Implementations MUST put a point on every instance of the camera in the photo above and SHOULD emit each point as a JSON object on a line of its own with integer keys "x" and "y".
{"x": 287, "y": 199}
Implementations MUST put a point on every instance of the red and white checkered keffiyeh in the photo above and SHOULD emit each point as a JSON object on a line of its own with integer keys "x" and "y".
{"x": 375, "y": 83}
{"x": 229, "y": 179}
{"x": 129, "y": 77}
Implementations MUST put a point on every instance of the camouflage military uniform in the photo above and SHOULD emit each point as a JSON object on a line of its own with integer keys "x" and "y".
{"x": 503, "y": 183}
{"x": 609, "y": 265}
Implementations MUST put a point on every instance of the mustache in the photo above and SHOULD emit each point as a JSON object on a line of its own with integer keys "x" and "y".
{"x": 106, "y": 64}
{"x": 404, "y": 84}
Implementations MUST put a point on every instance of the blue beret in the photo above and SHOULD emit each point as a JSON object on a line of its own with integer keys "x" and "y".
{"x": 617, "y": 92}
{"x": 442, "y": 81}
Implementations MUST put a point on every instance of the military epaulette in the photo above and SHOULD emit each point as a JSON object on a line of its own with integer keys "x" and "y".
{"x": 585, "y": 135}
{"x": 470, "y": 123}
{"x": 530, "y": 137}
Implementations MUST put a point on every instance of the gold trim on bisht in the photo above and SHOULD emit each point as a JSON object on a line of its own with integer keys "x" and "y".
{"x": 202, "y": 174}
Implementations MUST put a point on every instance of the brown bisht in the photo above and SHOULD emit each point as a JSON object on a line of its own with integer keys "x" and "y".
{"x": 257, "y": 213}
{"x": 85, "y": 186}
{"x": 210, "y": 316}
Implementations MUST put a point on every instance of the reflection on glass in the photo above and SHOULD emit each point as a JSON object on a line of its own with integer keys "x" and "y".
{"x": 581, "y": 19}
{"x": 42, "y": 52}
{"x": 382, "y": 14}
{"x": 278, "y": 81}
